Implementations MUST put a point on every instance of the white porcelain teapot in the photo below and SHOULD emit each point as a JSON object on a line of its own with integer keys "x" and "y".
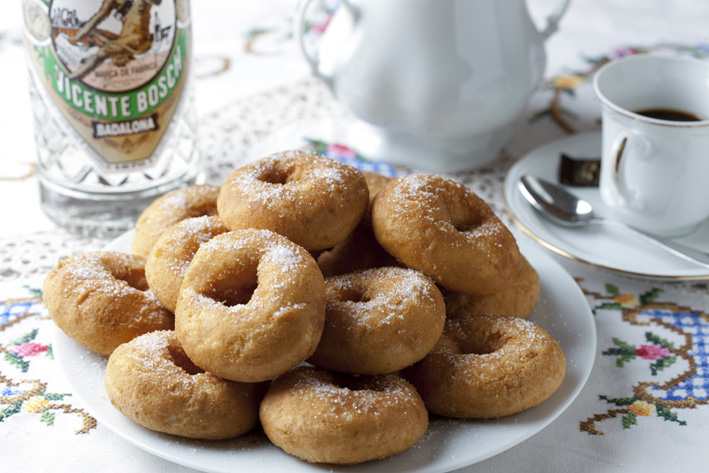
{"x": 436, "y": 84}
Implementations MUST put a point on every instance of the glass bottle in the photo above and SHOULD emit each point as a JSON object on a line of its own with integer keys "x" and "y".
{"x": 114, "y": 118}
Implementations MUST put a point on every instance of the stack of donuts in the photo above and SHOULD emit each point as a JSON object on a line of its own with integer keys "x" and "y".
{"x": 334, "y": 308}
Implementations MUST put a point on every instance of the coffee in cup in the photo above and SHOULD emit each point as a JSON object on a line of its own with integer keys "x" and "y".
{"x": 655, "y": 152}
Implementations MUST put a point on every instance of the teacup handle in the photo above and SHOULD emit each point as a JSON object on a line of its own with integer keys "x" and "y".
{"x": 300, "y": 30}
{"x": 554, "y": 18}
{"x": 626, "y": 147}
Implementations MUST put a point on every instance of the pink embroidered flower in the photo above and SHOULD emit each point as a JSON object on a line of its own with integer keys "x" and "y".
{"x": 28, "y": 349}
{"x": 323, "y": 26}
{"x": 652, "y": 352}
{"x": 623, "y": 52}
{"x": 341, "y": 151}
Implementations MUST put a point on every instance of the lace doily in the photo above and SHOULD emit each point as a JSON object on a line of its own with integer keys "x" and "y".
{"x": 228, "y": 138}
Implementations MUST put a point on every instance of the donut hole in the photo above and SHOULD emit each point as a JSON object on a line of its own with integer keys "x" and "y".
{"x": 482, "y": 344}
{"x": 465, "y": 223}
{"x": 353, "y": 383}
{"x": 135, "y": 279}
{"x": 234, "y": 295}
{"x": 354, "y": 295}
{"x": 275, "y": 176}
{"x": 236, "y": 288}
{"x": 181, "y": 360}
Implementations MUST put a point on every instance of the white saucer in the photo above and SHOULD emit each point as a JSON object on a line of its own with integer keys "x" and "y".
{"x": 597, "y": 245}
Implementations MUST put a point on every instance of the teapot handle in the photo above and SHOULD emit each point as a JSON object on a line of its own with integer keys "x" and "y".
{"x": 554, "y": 18}
{"x": 300, "y": 30}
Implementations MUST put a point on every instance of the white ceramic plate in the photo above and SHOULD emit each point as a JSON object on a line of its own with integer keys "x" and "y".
{"x": 598, "y": 245}
{"x": 448, "y": 444}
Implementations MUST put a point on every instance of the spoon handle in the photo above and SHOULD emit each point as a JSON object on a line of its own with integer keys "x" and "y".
{"x": 678, "y": 249}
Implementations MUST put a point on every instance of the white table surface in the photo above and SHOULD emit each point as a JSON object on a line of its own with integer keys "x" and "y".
{"x": 272, "y": 77}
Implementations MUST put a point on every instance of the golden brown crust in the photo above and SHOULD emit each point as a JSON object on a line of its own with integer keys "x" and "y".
{"x": 442, "y": 228}
{"x": 190, "y": 201}
{"x": 487, "y": 366}
{"x": 252, "y": 306}
{"x": 151, "y": 381}
{"x": 314, "y": 201}
{"x": 517, "y": 300}
{"x": 375, "y": 183}
{"x": 101, "y": 299}
{"x": 171, "y": 255}
{"x": 379, "y": 321}
{"x": 322, "y": 417}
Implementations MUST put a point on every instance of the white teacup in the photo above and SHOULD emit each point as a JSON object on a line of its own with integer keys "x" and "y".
{"x": 655, "y": 171}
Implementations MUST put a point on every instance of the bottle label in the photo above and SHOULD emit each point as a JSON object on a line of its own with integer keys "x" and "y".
{"x": 115, "y": 69}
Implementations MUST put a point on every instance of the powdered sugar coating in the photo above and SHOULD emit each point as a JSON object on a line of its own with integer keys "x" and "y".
{"x": 314, "y": 201}
{"x": 177, "y": 205}
{"x": 487, "y": 366}
{"x": 172, "y": 253}
{"x": 151, "y": 381}
{"x": 440, "y": 227}
{"x": 379, "y": 321}
{"x": 326, "y": 417}
{"x": 336, "y": 395}
{"x": 251, "y": 306}
{"x": 101, "y": 299}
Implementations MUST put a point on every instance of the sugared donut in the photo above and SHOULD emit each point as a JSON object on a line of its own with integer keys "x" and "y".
{"x": 379, "y": 321}
{"x": 517, "y": 300}
{"x": 152, "y": 381}
{"x": 191, "y": 201}
{"x": 252, "y": 306}
{"x": 360, "y": 250}
{"x": 487, "y": 366}
{"x": 101, "y": 299}
{"x": 442, "y": 228}
{"x": 323, "y": 417}
{"x": 313, "y": 200}
{"x": 375, "y": 183}
{"x": 171, "y": 255}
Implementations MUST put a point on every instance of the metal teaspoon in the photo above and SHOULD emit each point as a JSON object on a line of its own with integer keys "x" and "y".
{"x": 565, "y": 208}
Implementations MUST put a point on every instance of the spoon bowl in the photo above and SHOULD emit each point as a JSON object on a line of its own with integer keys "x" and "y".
{"x": 564, "y": 208}
{"x": 556, "y": 202}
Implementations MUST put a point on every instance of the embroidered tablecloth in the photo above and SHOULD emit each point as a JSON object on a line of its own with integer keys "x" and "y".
{"x": 644, "y": 407}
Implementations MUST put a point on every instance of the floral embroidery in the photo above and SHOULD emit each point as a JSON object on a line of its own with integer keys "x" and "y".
{"x": 633, "y": 407}
{"x": 658, "y": 351}
{"x": 642, "y": 408}
{"x": 18, "y": 351}
{"x": 40, "y": 403}
{"x": 35, "y": 404}
{"x": 28, "y": 349}
{"x": 652, "y": 352}
{"x": 687, "y": 388}
{"x": 347, "y": 155}
{"x": 569, "y": 82}
{"x": 30, "y": 397}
